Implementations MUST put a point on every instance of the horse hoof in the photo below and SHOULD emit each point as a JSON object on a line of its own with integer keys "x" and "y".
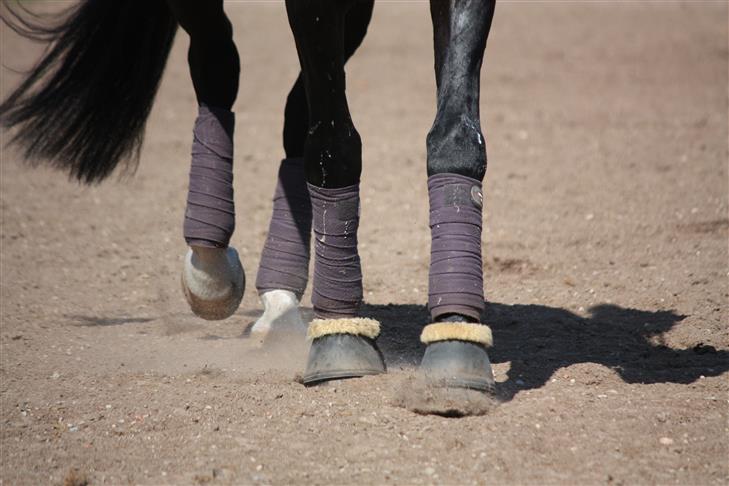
{"x": 339, "y": 356}
{"x": 213, "y": 282}
{"x": 343, "y": 348}
{"x": 280, "y": 314}
{"x": 457, "y": 364}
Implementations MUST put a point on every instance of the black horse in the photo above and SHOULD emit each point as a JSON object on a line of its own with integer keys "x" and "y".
{"x": 83, "y": 109}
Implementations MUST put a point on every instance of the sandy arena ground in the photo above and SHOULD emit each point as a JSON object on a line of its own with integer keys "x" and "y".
{"x": 606, "y": 271}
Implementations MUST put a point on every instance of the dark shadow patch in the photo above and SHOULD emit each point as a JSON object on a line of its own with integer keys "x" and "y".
{"x": 90, "y": 321}
{"x": 211, "y": 337}
{"x": 400, "y": 326}
{"x": 538, "y": 340}
{"x": 517, "y": 266}
{"x": 705, "y": 227}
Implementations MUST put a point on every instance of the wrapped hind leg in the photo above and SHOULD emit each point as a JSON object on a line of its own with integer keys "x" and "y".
{"x": 283, "y": 272}
{"x": 213, "y": 280}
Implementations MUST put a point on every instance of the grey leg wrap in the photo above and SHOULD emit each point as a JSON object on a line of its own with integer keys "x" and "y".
{"x": 337, "y": 290}
{"x": 456, "y": 273}
{"x": 285, "y": 257}
{"x": 210, "y": 212}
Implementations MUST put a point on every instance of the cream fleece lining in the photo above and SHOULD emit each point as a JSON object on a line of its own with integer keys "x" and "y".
{"x": 461, "y": 331}
{"x": 360, "y": 326}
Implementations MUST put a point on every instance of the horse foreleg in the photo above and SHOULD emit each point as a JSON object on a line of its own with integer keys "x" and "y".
{"x": 284, "y": 268}
{"x": 343, "y": 345}
{"x": 456, "y": 340}
{"x": 212, "y": 279}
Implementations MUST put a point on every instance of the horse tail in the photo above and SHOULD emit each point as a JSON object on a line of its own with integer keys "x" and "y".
{"x": 84, "y": 105}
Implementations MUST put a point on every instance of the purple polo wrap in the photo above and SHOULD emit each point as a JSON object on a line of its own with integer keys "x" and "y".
{"x": 337, "y": 290}
{"x": 210, "y": 212}
{"x": 456, "y": 273}
{"x": 285, "y": 257}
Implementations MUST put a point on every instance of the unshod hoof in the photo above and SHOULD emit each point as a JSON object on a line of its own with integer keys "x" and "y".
{"x": 213, "y": 282}
{"x": 281, "y": 315}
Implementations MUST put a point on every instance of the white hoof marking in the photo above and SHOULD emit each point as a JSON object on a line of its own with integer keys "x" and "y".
{"x": 280, "y": 314}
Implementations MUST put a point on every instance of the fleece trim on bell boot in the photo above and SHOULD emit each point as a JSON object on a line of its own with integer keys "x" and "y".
{"x": 359, "y": 326}
{"x": 458, "y": 331}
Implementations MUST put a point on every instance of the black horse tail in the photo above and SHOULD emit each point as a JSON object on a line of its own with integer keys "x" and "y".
{"x": 84, "y": 106}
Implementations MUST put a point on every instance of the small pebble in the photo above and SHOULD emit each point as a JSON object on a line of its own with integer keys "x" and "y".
{"x": 368, "y": 420}
{"x": 666, "y": 440}
{"x": 429, "y": 471}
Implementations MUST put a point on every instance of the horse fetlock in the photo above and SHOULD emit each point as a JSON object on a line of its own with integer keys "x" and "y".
{"x": 333, "y": 152}
{"x": 457, "y": 147}
{"x": 213, "y": 281}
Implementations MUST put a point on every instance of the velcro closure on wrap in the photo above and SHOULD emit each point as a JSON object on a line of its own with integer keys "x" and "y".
{"x": 459, "y": 331}
{"x": 360, "y": 326}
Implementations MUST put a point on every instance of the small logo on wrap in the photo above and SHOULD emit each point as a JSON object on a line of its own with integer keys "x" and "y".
{"x": 477, "y": 196}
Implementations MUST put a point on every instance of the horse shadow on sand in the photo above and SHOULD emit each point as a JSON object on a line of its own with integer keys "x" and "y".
{"x": 539, "y": 340}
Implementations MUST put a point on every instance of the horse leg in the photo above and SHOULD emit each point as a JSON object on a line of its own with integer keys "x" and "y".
{"x": 284, "y": 267}
{"x": 343, "y": 345}
{"x": 456, "y": 341}
{"x": 212, "y": 279}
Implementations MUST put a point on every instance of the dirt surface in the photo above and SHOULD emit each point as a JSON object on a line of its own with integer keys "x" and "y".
{"x": 606, "y": 271}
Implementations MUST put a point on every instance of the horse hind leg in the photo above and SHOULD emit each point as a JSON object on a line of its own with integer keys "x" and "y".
{"x": 213, "y": 280}
{"x": 456, "y": 340}
{"x": 283, "y": 271}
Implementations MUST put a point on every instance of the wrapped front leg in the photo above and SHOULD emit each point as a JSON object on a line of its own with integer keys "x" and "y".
{"x": 337, "y": 290}
{"x": 343, "y": 345}
{"x": 456, "y": 349}
{"x": 456, "y": 272}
